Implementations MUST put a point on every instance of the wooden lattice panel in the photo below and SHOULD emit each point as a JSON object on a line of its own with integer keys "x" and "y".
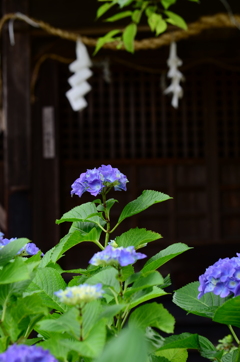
{"x": 227, "y": 97}
{"x": 131, "y": 118}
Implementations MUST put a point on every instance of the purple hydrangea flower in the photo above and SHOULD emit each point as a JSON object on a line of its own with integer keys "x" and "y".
{"x": 221, "y": 278}
{"x": 28, "y": 249}
{"x": 116, "y": 256}
{"x": 95, "y": 180}
{"x": 82, "y": 293}
{"x": 23, "y": 353}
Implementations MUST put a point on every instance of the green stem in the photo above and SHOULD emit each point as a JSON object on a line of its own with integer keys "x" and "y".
{"x": 81, "y": 323}
{"x": 114, "y": 228}
{"x": 107, "y": 218}
{"x": 98, "y": 244}
{"x": 234, "y": 334}
{"x": 124, "y": 318}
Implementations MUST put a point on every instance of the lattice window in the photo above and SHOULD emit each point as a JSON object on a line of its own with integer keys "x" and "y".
{"x": 228, "y": 112}
{"x": 130, "y": 118}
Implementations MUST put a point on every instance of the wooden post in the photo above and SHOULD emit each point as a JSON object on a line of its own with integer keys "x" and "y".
{"x": 46, "y": 178}
{"x": 16, "y": 112}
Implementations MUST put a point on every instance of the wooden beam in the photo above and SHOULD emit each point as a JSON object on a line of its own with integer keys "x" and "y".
{"x": 16, "y": 110}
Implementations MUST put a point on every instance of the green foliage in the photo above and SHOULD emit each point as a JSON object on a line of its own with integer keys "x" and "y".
{"x": 143, "y": 202}
{"x": 156, "y": 14}
{"x": 124, "y": 322}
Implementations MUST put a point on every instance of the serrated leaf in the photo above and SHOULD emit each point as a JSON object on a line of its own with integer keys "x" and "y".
{"x": 106, "y": 277}
{"x": 14, "y": 272}
{"x": 103, "y": 9}
{"x": 70, "y": 240}
{"x": 118, "y": 16}
{"x": 129, "y": 346}
{"x": 109, "y": 311}
{"x": 174, "y": 355}
{"x": 46, "y": 282}
{"x": 145, "y": 295}
{"x": 164, "y": 256}
{"x": 143, "y": 282}
{"x": 91, "y": 347}
{"x": 232, "y": 356}
{"x": 228, "y": 312}
{"x": 167, "y": 3}
{"x": 184, "y": 340}
{"x": 175, "y": 19}
{"x": 136, "y": 237}
{"x": 84, "y": 212}
{"x": 128, "y": 37}
{"x": 10, "y": 250}
{"x": 152, "y": 315}
{"x": 4, "y": 341}
{"x": 109, "y": 205}
{"x": 208, "y": 350}
{"x": 144, "y": 201}
{"x": 27, "y": 306}
{"x": 187, "y": 299}
{"x": 91, "y": 314}
{"x": 68, "y": 322}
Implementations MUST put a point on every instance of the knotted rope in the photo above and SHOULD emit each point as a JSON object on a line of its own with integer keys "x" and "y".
{"x": 206, "y": 22}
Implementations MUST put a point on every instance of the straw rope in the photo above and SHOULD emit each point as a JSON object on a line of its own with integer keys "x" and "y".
{"x": 206, "y": 22}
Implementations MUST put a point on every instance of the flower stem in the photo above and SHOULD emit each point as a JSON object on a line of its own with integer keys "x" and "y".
{"x": 234, "y": 334}
{"x": 81, "y": 323}
{"x": 107, "y": 218}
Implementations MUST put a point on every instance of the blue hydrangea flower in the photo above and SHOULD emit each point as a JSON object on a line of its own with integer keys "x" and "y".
{"x": 82, "y": 293}
{"x": 221, "y": 278}
{"x": 23, "y": 353}
{"x": 28, "y": 249}
{"x": 116, "y": 256}
{"x": 95, "y": 180}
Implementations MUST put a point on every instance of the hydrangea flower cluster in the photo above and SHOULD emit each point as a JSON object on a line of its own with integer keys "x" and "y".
{"x": 82, "y": 293}
{"x": 23, "y": 353}
{"x": 221, "y": 278}
{"x": 28, "y": 249}
{"x": 116, "y": 256}
{"x": 94, "y": 181}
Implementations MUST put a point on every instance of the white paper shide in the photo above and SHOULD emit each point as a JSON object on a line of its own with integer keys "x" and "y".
{"x": 78, "y": 81}
{"x": 175, "y": 88}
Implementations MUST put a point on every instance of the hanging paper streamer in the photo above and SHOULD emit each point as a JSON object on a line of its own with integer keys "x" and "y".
{"x": 175, "y": 88}
{"x": 80, "y": 87}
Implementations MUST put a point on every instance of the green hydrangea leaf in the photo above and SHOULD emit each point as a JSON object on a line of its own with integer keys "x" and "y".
{"x": 10, "y": 250}
{"x": 184, "y": 340}
{"x": 46, "y": 282}
{"x": 145, "y": 295}
{"x": 143, "y": 282}
{"x": 228, "y": 312}
{"x": 164, "y": 256}
{"x": 174, "y": 355}
{"x": 136, "y": 237}
{"x": 187, "y": 299}
{"x": 14, "y": 272}
{"x": 153, "y": 315}
{"x": 143, "y": 202}
{"x": 129, "y": 346}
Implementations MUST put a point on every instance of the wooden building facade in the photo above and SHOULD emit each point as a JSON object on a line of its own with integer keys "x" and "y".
{"x": 192, "y": 153}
